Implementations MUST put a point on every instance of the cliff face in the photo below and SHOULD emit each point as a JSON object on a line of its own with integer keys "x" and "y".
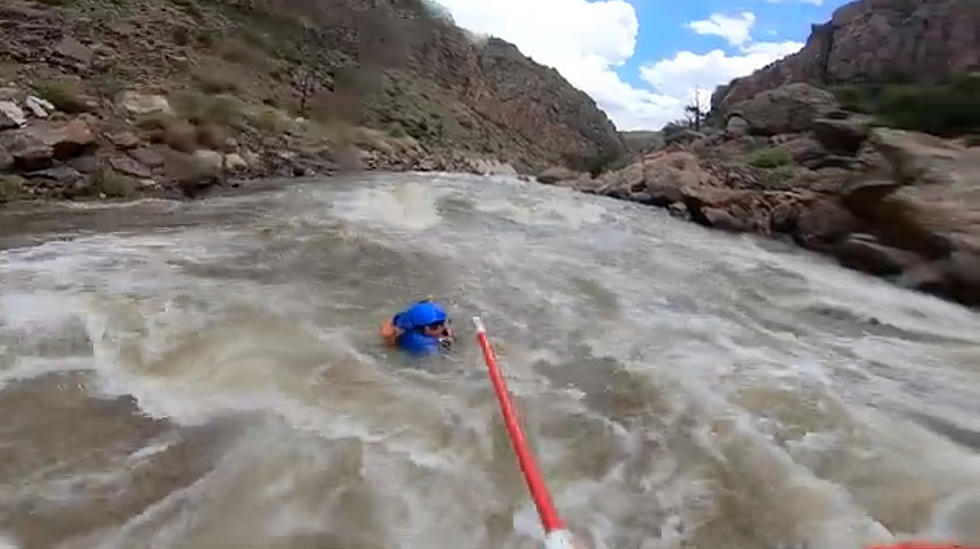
{"x": 875, "y": 41}
{"x": 419, "y": 71}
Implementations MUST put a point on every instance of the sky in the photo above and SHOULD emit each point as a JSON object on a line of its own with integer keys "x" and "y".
{"x": 642, "y": 60}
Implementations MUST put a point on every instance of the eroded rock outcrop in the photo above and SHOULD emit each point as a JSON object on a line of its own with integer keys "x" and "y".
{"x": 875, "y": 41}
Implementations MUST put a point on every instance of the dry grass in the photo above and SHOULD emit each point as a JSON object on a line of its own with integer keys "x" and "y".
{"x": 198, "y": 108}
{"x": 269, "y": 120}
{"x": 64, "y": 93}
{"x": 181, "y": 136}
{"x": 10, "y": 187}
{"x": 112, "y": 184}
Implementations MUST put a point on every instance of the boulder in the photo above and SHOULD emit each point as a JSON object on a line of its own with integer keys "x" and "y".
{"x": 11, "y": 116}
{"x": 678, "y": 209}
{"x": 833, "y": 161}
{"x": 123, "y": 140}
{"x": 556, "y": 174}
{"x": 864, "y": 253}
{"x": 127, "y": 166}
{"x": 641, "y": 198}
{"x": 137, "y": 104}
{"x": 28, "y": 150}
{"x": 61, "y": 174}
{"x": 664, "y": 192}
{"x": 209, "y": 163}
{"x": 193, "y": 172}
{"x": 842, "y": 136}
{"x": 724, "y": 220}
{"x": 863, "y": 196}
{"x": 254, "y": 160}
{"x": 955, "y": 277}
{"x": 825, "y": 221}
{"x": 683, "y": 137}
{"x": 235, "y": 163}
{"x": 736, "y": 127}
{"x": 786, "y": 109}
{"x": 668, "y": 172}
{"x": 804, "y": 149}
{"x": 11, "y": 94}
{"x": 6, "y": 160}
{"x": 924, "y": 276}
{"x": 784, "y": 216}
{"x": 631, "y": 178}
{"x": 87, "y": 164}
{"x": 148, "y": 157}
{"x": 919, "y": 158}
{"x": 67, "y": 140}
{"x": 40, "y": 108}
{"x": 72, "y": 49}
{"x": 34, "y": 147}
{"x": 962, "y": 270}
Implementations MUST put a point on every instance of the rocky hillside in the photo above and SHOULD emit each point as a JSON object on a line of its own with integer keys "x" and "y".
{"x": 785, "y": 158}
{"x": 875, "y": 41}
{"x": 113, "y": 97}
{"x": 793, "y": 165}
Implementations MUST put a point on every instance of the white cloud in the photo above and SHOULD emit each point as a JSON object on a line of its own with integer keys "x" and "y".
{"x": 586, "y": 41}
{"x": 681, "y": 74}
{"x": 735, "y": 30}
{"x": 814, "y": 2}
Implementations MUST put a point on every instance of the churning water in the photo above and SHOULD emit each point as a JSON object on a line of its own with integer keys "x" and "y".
{"x": 208, "y": 374}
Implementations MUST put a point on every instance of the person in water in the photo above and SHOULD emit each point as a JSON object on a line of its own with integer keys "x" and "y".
{"x": 421, "y": 329}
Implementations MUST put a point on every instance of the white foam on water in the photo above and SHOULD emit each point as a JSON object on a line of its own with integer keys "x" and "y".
{"x": 693, "y": 408}
{"x": 411, "y": 206}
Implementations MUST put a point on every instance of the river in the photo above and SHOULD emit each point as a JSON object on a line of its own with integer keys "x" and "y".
{"x": 208, "y": 374}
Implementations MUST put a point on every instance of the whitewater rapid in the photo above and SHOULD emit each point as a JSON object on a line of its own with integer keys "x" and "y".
{"x": 208, "y": 374}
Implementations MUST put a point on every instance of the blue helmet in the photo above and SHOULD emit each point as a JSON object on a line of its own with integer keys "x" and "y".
{"x": 421, "y": 314}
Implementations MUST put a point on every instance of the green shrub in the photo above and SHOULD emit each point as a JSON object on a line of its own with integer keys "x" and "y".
{"x": 206, "y": 38}
{"x": 618, "y": 164}
{"x": 199, "y": 109}
{"x": 854, "y": 98}
{"x": 182, "y": 36}
{"x": 214, "y": 85}
{"x": 181, "y": 136}
{"x": 397, "y": 132}
{"x": 934, "y": 109}
{"x": 109, "y": 86}
{"x": 675, "y": 127}
{"x": 112, "y": 184}
{"x": 154, "y": 121}
{"x": 9, "y": 187}
{"x": 770, "y": 158}
{"x": 966, "y": 82}
{"x": 950, "y": 108}
{"x": 63, "y": 93}
{"x": 190, "y": 7}
{"x": 269, "y": 120}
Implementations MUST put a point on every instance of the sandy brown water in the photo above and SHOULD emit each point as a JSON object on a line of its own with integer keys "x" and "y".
{"x": 207, "y": 374}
